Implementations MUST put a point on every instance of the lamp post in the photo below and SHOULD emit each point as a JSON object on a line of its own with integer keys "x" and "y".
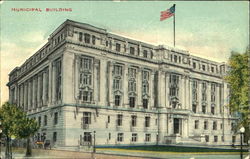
{"x": 242, "y": 130}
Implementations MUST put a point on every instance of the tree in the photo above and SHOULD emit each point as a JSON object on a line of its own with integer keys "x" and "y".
{"x": 16, "y": 123}
{"x": 238, "y": 77}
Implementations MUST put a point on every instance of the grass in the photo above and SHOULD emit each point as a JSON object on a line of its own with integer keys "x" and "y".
{"x": 177, "y": 149}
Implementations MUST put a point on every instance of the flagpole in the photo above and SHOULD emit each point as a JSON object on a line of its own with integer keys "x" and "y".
{"x": 174, "y": 28}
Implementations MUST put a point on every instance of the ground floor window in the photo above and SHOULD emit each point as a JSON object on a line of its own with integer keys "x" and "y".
{"x": 148, "y": 137}
{"x": 54, "y": 136}
{"x": 134, "y": 137}
{"x": 120, "y": 137}
{"x": 215, "y": 138}
{"x": 206, "y": 138}
{"x": 87, "y": 137}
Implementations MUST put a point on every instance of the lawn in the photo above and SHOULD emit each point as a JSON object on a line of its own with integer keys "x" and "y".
{"x": 177, "y": 149}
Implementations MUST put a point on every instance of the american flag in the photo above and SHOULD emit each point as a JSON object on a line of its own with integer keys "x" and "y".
{"x": 167, "y": 13}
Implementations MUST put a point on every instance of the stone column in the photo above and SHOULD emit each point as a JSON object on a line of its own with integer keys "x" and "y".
{"x": 199, "y": 95}
{"x": 167, "y": 95}
{"x": 139, "y": 87}
{"x": 34, "y": 89}
{"x": 25, "y": 95}
{"x": 183, "y": 90}
{"x": 190, "y": 95}
{"x": 152, "y": 93}
{"x": 95, "y": 81}
{"x": 29, "y": 94}
{"x": 53, "y": 91}
{"x": 209, "y": 97}
{"x": 44, "y": 88}
{"x": 103, "y": 82}
{"x": 187, "y": 94}
{"x": 159, "y": 89}
{"x": 125, "y": 86}
{"x": 162, "y": 84}
{"x": 76, "y": 77}
{"x": 50, "y": 84}
{"x": 38, "y": 90}
{"x": 217, "y": 98}
{"x": 110, "y": 70}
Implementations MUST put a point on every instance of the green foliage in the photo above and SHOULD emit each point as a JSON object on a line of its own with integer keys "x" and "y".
{"x": 16, "y": 123}
{"x": 238, "y": 78}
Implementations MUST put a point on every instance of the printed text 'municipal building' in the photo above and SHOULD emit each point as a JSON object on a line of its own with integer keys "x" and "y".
{"x": 85, "y": 79}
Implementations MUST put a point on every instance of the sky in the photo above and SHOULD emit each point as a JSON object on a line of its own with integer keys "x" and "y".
{"x": 210, "y": 29}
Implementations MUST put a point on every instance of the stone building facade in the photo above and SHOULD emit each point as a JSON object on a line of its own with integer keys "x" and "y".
{"x": 85, "y": 79}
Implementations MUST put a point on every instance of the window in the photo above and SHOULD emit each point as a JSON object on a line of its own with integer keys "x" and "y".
{"x": 147, "y": 121}
{"x": 221, "y": 126}
{"x": 148, "y": 137}
{"x": 86, "y": 118}
{"x": 194, "y": 90}
{"x": 85, "y": 79}
{"x": 131, "y": 86}
{"x": 145, "y": 87}
{"x": 55, "y": 118}
{"x": 174, "y": 85}
{"x": 87, "y": 137}
{"x": 132, "y": 50}
{"x": 194, "y": 108}
{"x": 214, "y": 125}
{"x": 109, "y": 136}
{"x": 203, "y": 108}
{"x": 232, "y": 126}
{"x": 145, "y": 53}
{"x": 117, "y": 83}
{"x": 194, "y": 65}
{"x": 80, "y": 36}
{"x": 215, "y": 138}
{"x": 212, "y": 69}
{"x": 57, "y": 78}
{"x": 118, "y": 47}
{"x": 119, "y": 120}
{"x": 145, "y": 103}
{"x": 134, "y": 137}
{"x": 108, "y": 119}
{"x": 86, "y": 96}
{"x": 132, "y": 102}
{"x": 117, "y": 100}
{"x": 212, "y": 109}
{"x": 86, "y": 38}
{"x": 175, "y": 58}
{"x": 39, "y": 121}
{"x": 207, "y": 138}
{"x": 133, "y": 120}
{"x": 93, "y": 39}
{"x": 203, "y": 68}
{"x": 145, "y": 75}
{"x": 45, "y": 120}
{"x": 117, "y": 70}
{"x": 132, "y": 72}
{"x": 107, "y": 43}
{"x": 120, "y": 137}
{"x": 54, "y": 136}
{"x": 86, "y": 63}
{"x": 196, "y": 124}
{"x": 205, "y": 125}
